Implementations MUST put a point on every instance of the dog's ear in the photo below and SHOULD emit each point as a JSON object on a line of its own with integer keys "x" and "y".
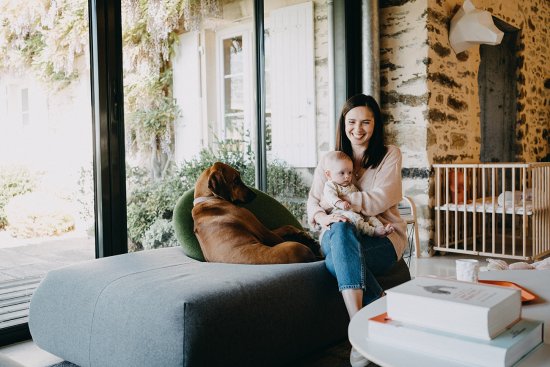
{"x": 218, "y": 184}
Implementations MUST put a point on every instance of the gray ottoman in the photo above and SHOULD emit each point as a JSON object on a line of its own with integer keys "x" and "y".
{"x": 161, "y": 308}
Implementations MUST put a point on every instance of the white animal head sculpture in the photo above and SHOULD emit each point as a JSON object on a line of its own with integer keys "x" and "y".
{"x": 471, "y": 26}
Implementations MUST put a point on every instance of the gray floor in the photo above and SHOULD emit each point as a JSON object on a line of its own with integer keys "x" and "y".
{"x": 29, "y": 355}
{"x": 23, "y": 259}
{"x": 24, "y": 262}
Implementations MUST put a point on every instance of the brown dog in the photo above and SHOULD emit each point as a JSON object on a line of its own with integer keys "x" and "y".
{"x": 232, "y": 234}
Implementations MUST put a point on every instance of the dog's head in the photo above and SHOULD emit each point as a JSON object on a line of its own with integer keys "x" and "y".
{"x": 225, "y": 182}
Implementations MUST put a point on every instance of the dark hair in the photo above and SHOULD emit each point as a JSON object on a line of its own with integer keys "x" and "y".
{"x": 377, "y": 145}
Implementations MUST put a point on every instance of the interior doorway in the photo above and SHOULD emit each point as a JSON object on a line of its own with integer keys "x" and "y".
{"x": 497, "y": 82}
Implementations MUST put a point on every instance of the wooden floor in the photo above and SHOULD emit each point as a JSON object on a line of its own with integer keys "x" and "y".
{"x": 23, "y": 263}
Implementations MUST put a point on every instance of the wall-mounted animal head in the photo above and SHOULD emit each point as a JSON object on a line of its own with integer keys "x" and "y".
{"x": 471, "y": 26}
{"x": 225, "y": 182}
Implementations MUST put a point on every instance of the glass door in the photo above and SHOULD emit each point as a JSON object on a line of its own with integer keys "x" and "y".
{"x": 189, "y": 97}
{"x": 297, "y": 97}
{"x": 46, "y": 177}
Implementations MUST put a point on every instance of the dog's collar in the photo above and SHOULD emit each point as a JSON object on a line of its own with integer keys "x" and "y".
{"x": 201, "y": 199}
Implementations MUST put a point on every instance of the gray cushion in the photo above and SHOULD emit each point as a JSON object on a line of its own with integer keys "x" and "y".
{"x": 161, "y": 308}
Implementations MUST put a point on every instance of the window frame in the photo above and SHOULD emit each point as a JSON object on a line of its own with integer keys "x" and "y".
{"x": 108, "y": 120}
{"x": 245, "y": 32}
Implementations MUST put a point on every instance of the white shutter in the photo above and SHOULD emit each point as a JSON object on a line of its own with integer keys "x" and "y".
{"x": 187, "y": 91}
{"x": 292, "y": 76}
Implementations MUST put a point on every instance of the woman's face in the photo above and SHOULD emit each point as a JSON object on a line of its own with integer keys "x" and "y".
{"x": 359, "y": 125}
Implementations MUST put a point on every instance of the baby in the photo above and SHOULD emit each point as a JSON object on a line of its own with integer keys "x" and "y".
{"x": 339, "y": 174}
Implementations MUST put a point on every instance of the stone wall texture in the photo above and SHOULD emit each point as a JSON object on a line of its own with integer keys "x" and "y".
{"x": 404, "y": 96}
{"x": 430, "y": 94}
{"x": 454, "y": 127}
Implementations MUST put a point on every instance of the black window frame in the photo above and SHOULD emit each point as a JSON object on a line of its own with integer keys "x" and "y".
{"x": 107, "y": 101}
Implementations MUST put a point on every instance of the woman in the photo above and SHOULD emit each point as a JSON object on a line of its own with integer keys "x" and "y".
{"x": 355, "y": 259}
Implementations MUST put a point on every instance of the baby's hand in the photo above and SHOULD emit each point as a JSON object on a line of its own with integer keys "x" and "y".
{"x": 380, "y": 231}
{"x": 383, "y": 231}
{"x": 346, "y": 205}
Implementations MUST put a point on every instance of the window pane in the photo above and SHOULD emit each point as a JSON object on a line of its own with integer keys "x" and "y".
{"x": 233, "y": 55}
{"x": 234, "y": 95}
{"x": 296, "y": 97}
{"x": 189, "y": 98}
{"x": 46, "y": 178}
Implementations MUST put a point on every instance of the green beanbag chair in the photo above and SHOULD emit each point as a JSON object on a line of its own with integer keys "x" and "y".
{"x": 268, "y": 210}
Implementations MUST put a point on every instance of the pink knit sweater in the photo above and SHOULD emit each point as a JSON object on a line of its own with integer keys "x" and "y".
{"x": 380, "y": 192}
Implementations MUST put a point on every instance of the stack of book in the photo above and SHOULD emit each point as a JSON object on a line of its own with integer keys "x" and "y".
{"x": 471, "y": 323}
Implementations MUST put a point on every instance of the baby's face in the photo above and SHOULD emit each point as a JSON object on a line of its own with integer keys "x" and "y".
{"x": 341, "y": 172}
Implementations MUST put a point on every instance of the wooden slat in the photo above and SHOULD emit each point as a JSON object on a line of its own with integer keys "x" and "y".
{"x": 15, "y": 297}
{"x": 14, "y": 322}
{"x": 10, "y": 284}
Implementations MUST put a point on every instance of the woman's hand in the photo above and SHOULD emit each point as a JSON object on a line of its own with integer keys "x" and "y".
{"x": 326, "y": 220}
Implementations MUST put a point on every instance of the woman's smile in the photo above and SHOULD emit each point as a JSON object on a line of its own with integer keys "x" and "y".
{"x": 359, "y": 125}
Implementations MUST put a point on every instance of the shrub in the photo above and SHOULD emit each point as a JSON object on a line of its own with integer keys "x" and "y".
{"x": 14, "y": 181}
{"x": 84, "y": 196}
{"x": 286, "y": 185}
{"x": 159, "y": 234}
{"x": 235, "y": 153}
{"x": 151, "y": 201}
{"x": 38, "y": 214}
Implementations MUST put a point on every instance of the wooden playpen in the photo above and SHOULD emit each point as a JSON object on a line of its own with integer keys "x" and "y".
{"x": 493, "y": 209}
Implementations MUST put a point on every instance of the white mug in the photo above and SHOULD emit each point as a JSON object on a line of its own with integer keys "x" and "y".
{"x": 467, "y": 270}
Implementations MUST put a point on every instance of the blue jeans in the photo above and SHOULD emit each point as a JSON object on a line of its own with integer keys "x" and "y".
{"x": 355, "y": 259}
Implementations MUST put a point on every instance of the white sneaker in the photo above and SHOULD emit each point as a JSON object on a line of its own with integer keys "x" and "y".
{"x": 356, "y": 359}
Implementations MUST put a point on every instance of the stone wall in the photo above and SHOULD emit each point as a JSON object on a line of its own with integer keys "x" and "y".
{"x": 454, "y": 125}
{"x": 430, "y": 94}
{"x": 404, "y": 96}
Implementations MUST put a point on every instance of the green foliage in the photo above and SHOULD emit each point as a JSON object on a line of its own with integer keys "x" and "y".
{"x": 151, "y": 115}
{"x": 287, "y": 186}
{"x": 149, "y": 200}
{"x": 34, "y": 44}
{"x": 44, "y": 37}
{"x": 84, "y": 195}
{"x": 152, "y": 200}
{"x": 14, "y": 181}
{"x": 235, "y": 153}
{"x": 38, "y": 214}
{"x": 159, "y": 234}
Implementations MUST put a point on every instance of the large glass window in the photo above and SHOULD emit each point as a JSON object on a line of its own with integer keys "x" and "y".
{"x": 46, "y": 180}
{"x": 189, "y": 101}
{"x": 296, "y": 38}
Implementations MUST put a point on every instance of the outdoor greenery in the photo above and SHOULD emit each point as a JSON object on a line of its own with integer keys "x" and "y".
{"x": 38, "y": 214}
{"x": 160, "y": 234}
{"x": 49, "y": 39}
{"x": 14, "y": 181}
{"x": 151, "y": 202}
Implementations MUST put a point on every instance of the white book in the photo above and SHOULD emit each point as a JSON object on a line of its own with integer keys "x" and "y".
{"x": 506, "y": 349}
{"x": 470, "y": 309}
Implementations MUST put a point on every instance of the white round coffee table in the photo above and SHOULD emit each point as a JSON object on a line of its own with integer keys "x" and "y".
{"x": 386, "y": 355}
